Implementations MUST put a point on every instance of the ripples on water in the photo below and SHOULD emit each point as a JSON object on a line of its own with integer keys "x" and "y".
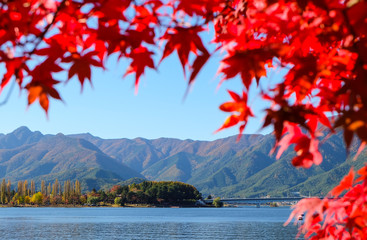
{"x": 145, "y": 223}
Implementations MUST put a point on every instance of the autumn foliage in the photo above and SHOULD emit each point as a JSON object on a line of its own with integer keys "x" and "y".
{"x": 322, "y": 44}
{"x": 337, "y": 216}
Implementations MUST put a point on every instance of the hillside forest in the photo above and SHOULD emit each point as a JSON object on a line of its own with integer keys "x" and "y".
{"x": 147, "y": 192}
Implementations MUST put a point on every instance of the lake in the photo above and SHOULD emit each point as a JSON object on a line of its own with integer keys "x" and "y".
{"x": 146, "y": 223}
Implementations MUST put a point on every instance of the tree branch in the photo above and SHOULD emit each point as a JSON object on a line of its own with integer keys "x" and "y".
{"x": 43, "y": 34}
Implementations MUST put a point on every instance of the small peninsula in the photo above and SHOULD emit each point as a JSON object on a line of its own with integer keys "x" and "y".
{"x": 68, "y": 194}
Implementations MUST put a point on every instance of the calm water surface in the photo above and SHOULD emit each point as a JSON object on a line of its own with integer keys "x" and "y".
{"x": 146, "y": 223}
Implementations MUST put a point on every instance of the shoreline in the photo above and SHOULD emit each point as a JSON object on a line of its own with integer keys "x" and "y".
{"x": 105, "y": 206}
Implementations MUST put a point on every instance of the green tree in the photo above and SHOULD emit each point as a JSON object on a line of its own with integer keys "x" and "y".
{"x": 82, "y": 199}
{"x": 8, "y": 190}
{"x": 43, "y": 187}
{"x": 59, "y": 189}
{"x": 33, "y": 188}
{"x": 102, "y": 196}
{"x": 55, "y": 188}
{"x": 15, "y": 198}
{"x": 72, "y": 188}
{"x": 217, "y": 202}
{"x": 49, "y": 189}
{"x": 3, "y": 192}
{"x": 131, "y": 197}
{"x": 141, "y": 197}
{"x": 119, "y": 201}
{"x": 162, "y": 192}
{"x": 144, "y": 186}
{"x": 21, "y": 200}
{"x": 25, "y": 188}
{"x": 93, "y": 200}
{"x": 20, "y": 188}
{"x": 78, "y": 190}
{"x": 67, "y": 192}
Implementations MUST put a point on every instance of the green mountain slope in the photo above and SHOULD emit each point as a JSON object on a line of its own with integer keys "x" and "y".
{"x": 228, "y": 168}
{"x": 223, "y": 167}
{"x": 64, "y": 158}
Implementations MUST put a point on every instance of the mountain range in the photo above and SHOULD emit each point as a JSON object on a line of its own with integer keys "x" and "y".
{"x": 223, "y": 167}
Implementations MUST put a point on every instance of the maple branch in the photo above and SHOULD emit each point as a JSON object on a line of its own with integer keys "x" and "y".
{"x": 43, "y": 34}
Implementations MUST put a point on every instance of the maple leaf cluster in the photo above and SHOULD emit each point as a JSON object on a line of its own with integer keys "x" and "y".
{"x": 323, "y": 46}
{"x": 336, "y": 216}
{"x": 321, "y": 43}
{"x": 41, "y": 38}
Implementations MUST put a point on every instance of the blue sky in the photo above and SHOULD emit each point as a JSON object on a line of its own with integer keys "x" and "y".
{"x": 110, "y": 109}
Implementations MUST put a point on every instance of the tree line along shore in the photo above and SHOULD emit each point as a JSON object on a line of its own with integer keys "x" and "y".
{"x": 69, "y": 194}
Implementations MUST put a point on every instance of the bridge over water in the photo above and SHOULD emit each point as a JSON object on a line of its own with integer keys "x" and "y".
{"x": 257, "y": 201}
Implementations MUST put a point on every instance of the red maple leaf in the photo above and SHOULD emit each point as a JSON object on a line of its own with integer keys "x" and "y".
{"x": 248, "y": 64}
{"x": 345, "y": 184}
{"x": 185, "y": 41}
{"x": 306, "y": 148}
{"x": 239, "y": 109}
{"x": 199, "y": 7}
{"x": 81, "y": 65}
{"x": 14, "y": 67}
{"x": 42, "y": 84}
{"x": 142, "y": 58}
